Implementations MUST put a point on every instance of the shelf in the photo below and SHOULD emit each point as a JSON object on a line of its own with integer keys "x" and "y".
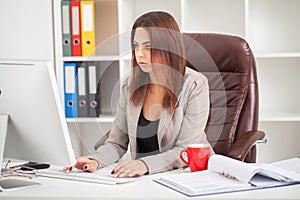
{"x": 279, "y": 117}
{"x": 91, "y": 58}
{"x": 278, "y": 55}
{"x": 104, "y": 118}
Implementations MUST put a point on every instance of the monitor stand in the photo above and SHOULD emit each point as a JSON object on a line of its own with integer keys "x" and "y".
{"x": 9, "y": 184}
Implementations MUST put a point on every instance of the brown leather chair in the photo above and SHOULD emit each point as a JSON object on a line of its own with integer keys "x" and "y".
{"x": 228, "y": 63}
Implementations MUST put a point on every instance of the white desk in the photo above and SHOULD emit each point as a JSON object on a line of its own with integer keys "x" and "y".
{"x": 144, "y": 188}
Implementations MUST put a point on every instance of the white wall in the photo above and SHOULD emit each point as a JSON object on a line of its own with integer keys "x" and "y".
{"x": 26, "y": 30}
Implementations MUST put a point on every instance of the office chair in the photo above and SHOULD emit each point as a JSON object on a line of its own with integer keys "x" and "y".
{"x": 228, "y": 63}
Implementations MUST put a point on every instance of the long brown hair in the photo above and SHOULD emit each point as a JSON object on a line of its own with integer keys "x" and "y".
{"x": 167, "y": 58}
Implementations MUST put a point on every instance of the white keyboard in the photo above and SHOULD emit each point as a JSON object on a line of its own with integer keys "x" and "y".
{"x": 78, "y": 175}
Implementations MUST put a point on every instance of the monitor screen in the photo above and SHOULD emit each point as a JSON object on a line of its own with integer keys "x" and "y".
{"x": 37, "y": 129}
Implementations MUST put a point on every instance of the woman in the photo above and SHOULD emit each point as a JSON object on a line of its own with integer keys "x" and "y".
{"x": 163, "y": 106}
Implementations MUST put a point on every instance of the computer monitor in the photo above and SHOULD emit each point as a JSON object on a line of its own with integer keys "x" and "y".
{"x": 37, "y": 129}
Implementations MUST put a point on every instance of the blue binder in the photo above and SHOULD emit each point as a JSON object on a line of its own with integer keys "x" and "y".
{"x": 71, "y": 97}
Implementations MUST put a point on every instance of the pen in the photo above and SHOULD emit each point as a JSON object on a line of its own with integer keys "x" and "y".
{"x": 112, "y": 172}
{"x": 15, "y": 166}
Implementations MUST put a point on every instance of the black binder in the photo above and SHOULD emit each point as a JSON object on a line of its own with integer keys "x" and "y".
{"x": 94, "y": 75}
{"x": 82, "y": 84}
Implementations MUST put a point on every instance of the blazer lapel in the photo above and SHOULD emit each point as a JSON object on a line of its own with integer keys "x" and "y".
{"x": 133, "y": 115}
{"x": 165, "y": 119}
{"x": 164, "y": 123}
{"x": 133, "y": 118}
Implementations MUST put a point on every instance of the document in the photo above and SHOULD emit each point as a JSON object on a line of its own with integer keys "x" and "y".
{"x": 225, "y": 174}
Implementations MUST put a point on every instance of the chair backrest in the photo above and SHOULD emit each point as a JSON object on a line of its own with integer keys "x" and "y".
{"x": 228, "y": 63}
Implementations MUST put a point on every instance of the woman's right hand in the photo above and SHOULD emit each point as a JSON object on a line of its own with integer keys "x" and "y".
{"x": 85, "y": 164}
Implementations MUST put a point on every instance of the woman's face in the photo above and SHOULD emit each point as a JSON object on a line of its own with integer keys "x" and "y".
{"x": 142, "y": 49}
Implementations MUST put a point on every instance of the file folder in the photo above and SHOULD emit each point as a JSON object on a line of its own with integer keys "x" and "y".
{"x": 71, "y": 100}
{"x": 76, "y": 28}
{"x": 87, "y": 28}
{"x": 94, "y": 89}
{"x": 82, "y": 84}
{"x": 66, "y": 28}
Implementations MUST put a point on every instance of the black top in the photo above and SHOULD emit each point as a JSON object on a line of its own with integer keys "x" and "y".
{"x": 147, "y": 143}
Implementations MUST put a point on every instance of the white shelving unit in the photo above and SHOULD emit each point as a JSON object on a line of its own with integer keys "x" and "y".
{"x": 273, "y": 35}
{"x": 270, "y": 27}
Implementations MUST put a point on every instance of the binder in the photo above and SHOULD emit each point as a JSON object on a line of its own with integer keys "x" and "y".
{"x": 87, "y": 28}
{"x": 66, "y": 28}
{"x": 75, "y": 27}
{"x": 70, "y": 84}
{"x": 226, "y": 175}
{"x": 82, "y": 84}
{"x": 94, "y": 89}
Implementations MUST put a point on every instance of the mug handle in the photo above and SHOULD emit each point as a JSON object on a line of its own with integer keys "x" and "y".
{"x": 181, "y": 156}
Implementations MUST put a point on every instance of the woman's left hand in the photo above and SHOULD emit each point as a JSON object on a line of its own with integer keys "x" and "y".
{"x": 130, "y": 168}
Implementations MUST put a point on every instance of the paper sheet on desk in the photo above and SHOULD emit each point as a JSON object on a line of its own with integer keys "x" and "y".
{"x": 203, "y": 182}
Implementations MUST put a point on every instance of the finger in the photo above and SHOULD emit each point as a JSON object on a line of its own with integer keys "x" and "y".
{"x": 121, "y": 172}
{"x": 90, "y": 166}
{"x": 117, "y": 173}
{"x": 134, "y": 172}
{"x": 119, "y": 169}
{"x": 131, "y": 173}
{"x": 126, "y": 172}
{"x": 118, "y": 166}
{"x": 68, "y": 169}
{"x": 80, "y": 162}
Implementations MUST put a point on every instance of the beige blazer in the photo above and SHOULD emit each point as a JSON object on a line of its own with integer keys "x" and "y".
{"x": 184, "y": 127}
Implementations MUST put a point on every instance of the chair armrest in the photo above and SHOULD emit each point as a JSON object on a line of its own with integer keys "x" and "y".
{"x": 243, "y": 144}
{"x": 102, "y": 140}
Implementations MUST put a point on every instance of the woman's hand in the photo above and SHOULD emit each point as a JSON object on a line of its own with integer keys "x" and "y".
{"x": 85, "y": 164}
{"x": 130, "y": 168}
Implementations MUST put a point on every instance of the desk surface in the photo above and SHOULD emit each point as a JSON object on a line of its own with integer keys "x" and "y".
{"x": 144, "y": 188}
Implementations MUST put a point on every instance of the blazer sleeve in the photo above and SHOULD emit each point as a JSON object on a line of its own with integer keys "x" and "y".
{"x": 116, "y": 144}
{"x": 192, "y": 128}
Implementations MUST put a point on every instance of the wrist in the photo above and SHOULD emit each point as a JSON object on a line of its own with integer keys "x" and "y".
{"x": 145, "y": 166}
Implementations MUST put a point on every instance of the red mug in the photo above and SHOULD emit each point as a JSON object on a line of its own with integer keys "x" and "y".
{"x": 197, "y": 156}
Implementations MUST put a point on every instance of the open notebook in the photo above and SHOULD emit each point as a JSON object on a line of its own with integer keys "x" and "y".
{"x": 225, "y": 174}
